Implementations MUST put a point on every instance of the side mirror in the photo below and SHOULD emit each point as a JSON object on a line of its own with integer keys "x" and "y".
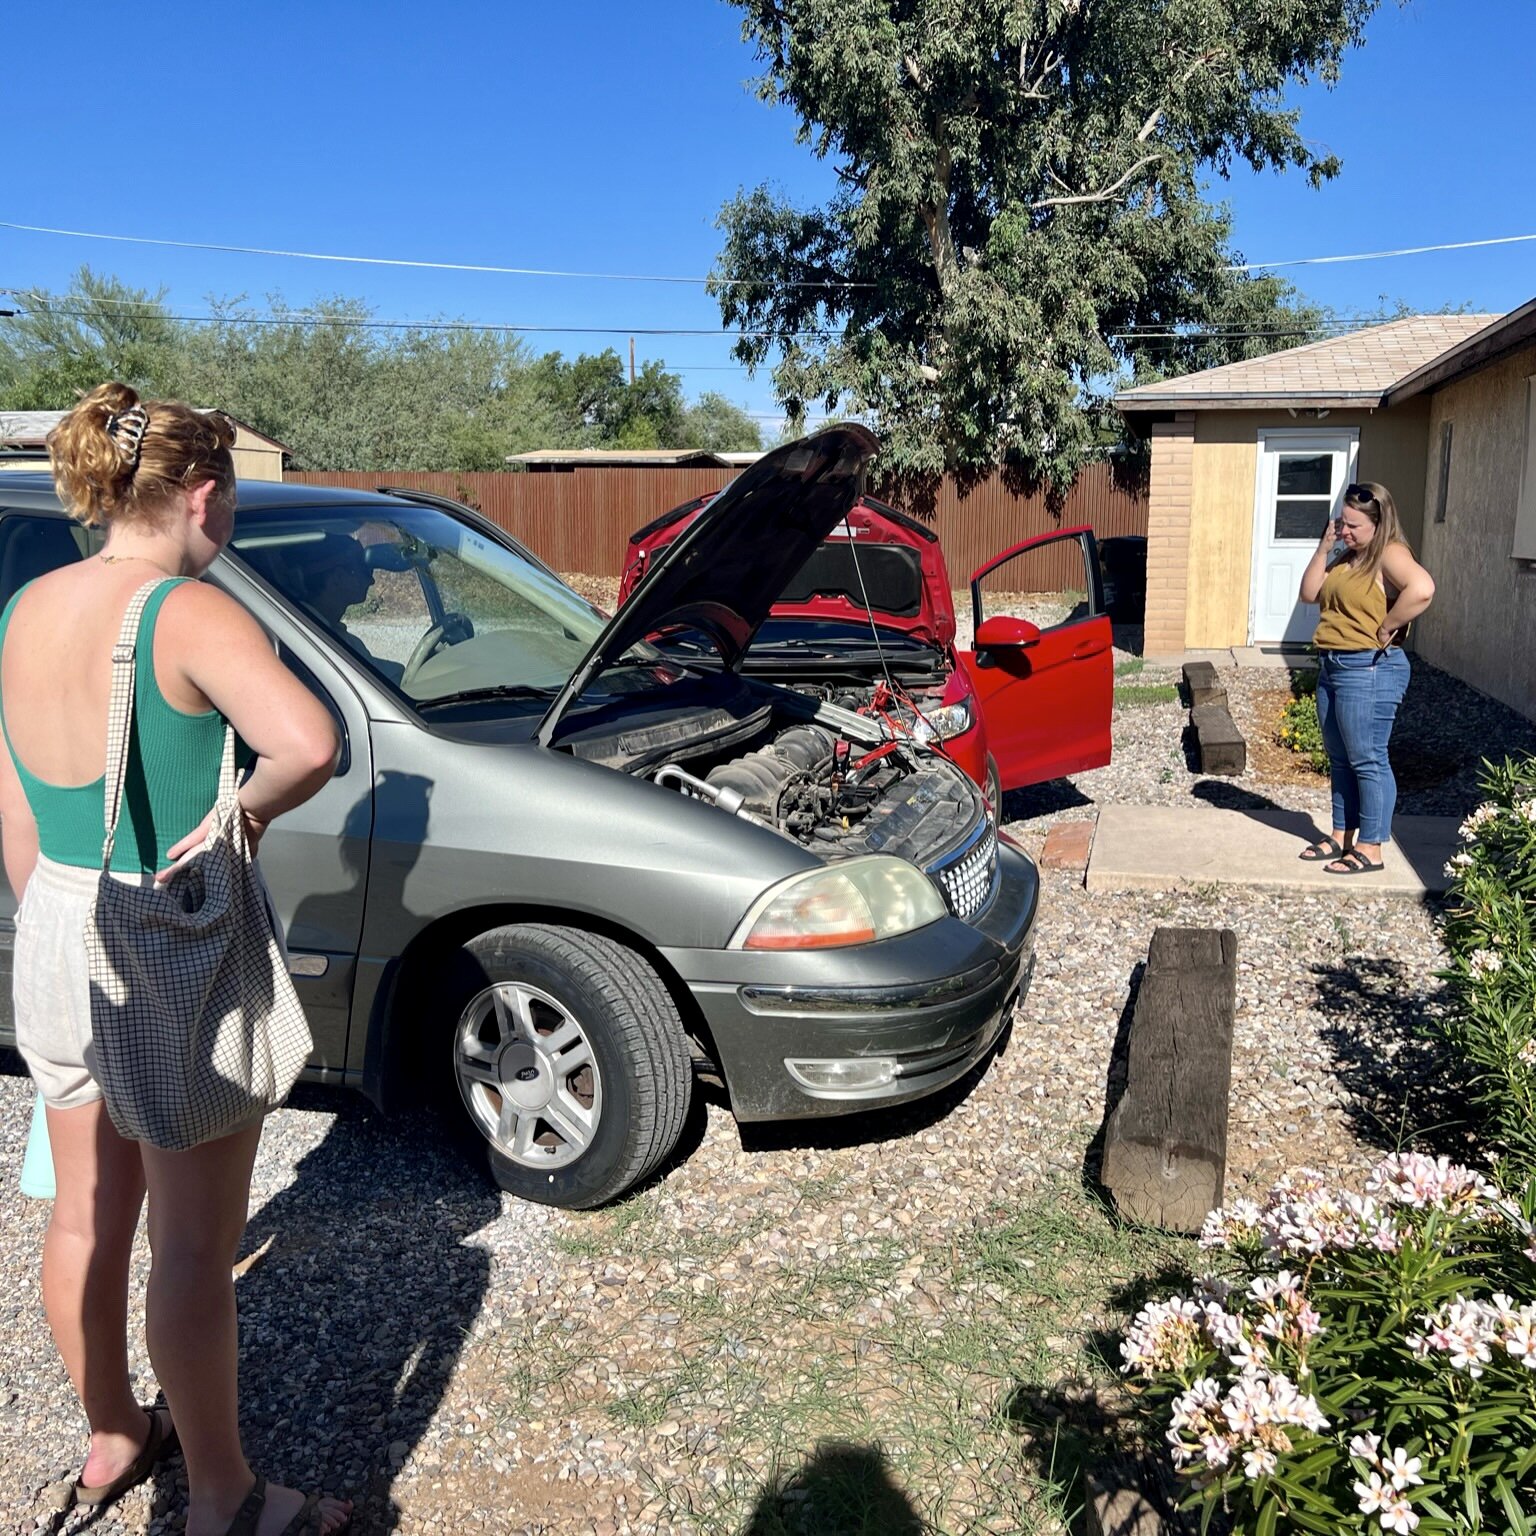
{"x": 1001, "y": 632}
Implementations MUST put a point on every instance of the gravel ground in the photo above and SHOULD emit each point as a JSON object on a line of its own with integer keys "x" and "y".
{"x": 455, "y": 1360}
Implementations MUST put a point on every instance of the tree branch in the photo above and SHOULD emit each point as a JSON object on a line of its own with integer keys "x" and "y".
{"x": 1148, "y": 127}
{"x": 1104, "y": 193}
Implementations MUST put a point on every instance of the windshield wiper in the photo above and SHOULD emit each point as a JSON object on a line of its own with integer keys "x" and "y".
{"x": 494, "y": 691}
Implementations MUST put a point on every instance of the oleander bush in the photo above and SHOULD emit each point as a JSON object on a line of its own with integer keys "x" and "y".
{"x": 1489, "y": 923}
{"x": 1299, "y": 730}
{"x": 1357, "y": 1362}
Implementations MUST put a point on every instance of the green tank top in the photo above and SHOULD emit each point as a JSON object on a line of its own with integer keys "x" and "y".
{"x": 172, "y": 781}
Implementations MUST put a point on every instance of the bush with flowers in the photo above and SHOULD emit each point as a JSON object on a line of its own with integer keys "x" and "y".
{"x": 1299, "y": 730}
{"x": 1358, "y": 1361}
{"x": 1490, "y": 918}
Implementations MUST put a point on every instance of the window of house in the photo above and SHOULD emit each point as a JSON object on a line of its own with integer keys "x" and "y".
{"x": 1525, "y": 516}
{"x": 1443, "y": 494}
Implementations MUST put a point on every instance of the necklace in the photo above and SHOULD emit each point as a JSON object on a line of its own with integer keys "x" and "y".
{"x": 107, "y": 559}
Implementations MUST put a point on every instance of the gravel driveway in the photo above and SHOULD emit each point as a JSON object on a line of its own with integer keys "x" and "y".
{"x": 457, "y": 1361}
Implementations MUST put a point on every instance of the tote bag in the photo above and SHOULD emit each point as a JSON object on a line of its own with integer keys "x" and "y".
{"x": 196, "y": 1027}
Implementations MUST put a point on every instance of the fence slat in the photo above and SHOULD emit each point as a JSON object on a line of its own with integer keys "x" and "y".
{"x": 579, "y": 521}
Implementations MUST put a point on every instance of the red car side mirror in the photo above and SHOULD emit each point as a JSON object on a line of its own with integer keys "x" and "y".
{"x": 1002, "y": 631}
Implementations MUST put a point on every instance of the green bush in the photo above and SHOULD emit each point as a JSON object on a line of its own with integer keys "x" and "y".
{"x": 1362, "y": 1362}
{"x": 1299, "y": 730}
{"x": 1491, "y": 1021}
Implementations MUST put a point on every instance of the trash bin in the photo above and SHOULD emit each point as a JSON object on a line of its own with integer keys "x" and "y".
{"x": 1123, "y": 561}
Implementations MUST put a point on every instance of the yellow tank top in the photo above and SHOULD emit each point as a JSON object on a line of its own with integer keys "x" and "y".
{"x": 1353, "y": 608}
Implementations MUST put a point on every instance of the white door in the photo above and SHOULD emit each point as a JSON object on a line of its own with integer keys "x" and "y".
{"x": 1301, "y": 480}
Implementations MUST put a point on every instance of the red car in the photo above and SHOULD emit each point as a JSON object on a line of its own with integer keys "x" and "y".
{"x": 869, "y": 623}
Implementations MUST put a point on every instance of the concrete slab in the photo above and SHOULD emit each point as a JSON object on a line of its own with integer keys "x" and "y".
{"x": 1151, "y": 847}
{"x": 1285, "y": 656}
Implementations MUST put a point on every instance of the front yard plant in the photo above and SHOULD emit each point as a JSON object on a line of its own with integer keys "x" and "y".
{"x": 1490, "y": 918}
{"x": 1358, "y": 1361}
{"x": 1299, "y": 730}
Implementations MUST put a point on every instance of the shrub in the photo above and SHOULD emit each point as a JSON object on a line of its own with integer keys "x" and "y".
{"x": 1299, "y": 730}
{"x": 1490, "y": 918}
{"x": 1362, "y": 1362}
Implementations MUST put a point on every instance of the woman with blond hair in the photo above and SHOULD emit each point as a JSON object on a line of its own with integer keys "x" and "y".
{"x": 159, "y": 478}
{"x": 1369, "y": 588}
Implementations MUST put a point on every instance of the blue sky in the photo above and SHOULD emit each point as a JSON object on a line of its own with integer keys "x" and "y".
{"x": 605, "y": 136}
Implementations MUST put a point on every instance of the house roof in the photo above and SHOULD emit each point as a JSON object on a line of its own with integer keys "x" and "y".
{"x": 30, "y": 429}
{"x": 1507, "y": 334}
{"x": 1358, "y": 369}
{"x": 621, "y": 458}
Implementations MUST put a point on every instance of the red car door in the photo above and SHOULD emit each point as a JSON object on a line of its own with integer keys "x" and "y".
{"x": 1046, "y": 688}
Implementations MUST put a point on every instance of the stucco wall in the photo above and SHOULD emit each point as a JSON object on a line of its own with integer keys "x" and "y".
{"x": 1482, "y": 626}
{"x": 1393, "y": 446}
{"x": 255, "y": 462}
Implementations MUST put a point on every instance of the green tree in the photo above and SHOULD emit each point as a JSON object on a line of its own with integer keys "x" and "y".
{"x": 1020, "y": 195}
{"x": 715, "y": 423}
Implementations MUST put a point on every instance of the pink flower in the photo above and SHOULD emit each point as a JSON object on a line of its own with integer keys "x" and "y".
{"x": 1366, "y": 1448}
{"x": 1259, "y": 1463}
{"x": 1398, "y": 1516}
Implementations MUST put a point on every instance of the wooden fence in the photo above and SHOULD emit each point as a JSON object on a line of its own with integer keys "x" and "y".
{"x": 580, "y": 520}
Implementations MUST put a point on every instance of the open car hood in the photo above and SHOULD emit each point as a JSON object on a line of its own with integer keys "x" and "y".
{"x": 722, "y": 575}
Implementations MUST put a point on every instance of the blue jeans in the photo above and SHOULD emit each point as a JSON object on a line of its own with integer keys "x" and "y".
{"x": 1357, "y": 697}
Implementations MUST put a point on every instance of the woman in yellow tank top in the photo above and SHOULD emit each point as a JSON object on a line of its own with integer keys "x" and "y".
{"x": 1369, "y": 588}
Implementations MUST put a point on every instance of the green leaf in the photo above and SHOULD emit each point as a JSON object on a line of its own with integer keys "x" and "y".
{"x": 1519, "y": 1522}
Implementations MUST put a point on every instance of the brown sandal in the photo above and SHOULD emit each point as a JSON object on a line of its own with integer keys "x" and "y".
{"x": 159, "y": 1442}
{"x": 305, "y": 1523}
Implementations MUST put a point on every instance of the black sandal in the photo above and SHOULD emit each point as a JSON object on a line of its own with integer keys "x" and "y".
{"x": 1356, "y": 864}
{"x": 305, "y": 1523}
{"x": 1324, "y": 851}
{"x": 158, "y": 1443}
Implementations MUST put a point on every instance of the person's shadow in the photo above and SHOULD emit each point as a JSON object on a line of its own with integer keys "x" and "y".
{"x": 842, "y": 1490}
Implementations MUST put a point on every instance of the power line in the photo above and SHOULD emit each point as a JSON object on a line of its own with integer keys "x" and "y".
{"x": 1409, "y": 250}
{"x": 394, "y": 261}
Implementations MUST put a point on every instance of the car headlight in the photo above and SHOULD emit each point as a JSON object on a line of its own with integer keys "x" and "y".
{"x": 875, "y": 897}
{"x": 950, "y": 719}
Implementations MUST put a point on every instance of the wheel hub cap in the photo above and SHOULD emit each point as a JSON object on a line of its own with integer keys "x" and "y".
{"x": 525, "y": 1075}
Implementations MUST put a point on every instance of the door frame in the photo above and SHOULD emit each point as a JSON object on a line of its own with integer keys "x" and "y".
{"x": 1271, "y": 441}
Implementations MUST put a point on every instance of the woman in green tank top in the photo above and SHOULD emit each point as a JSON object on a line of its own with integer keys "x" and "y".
{"x": 160, "y": 478}
{"x": 1368, "y": 588}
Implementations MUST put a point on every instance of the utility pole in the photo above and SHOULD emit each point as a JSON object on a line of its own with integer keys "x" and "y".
{"x": 631, "y": 360}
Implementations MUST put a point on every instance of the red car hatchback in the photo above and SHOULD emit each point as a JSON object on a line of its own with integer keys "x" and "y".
{"x": 869, "y": 623}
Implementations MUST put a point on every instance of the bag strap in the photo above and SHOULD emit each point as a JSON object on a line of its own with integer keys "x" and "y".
{"x": 120, "y": 723}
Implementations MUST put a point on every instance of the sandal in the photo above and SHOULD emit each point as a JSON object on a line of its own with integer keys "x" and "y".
{"x": 306, "y": 1522}
{"x": 1356, "y": 864}
{"x": 159, "y": 1442}
{"x": 1324, "y": 851}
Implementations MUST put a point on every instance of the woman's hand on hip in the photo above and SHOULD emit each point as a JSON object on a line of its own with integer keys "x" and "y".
{"x": 182, "y": 853}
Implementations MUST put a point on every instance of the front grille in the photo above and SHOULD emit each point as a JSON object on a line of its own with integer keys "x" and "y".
{"x": 968, "y": 880}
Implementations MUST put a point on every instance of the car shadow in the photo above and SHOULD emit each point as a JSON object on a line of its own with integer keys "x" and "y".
{"x": 1042, "y": 800}
{"x": 362, "y": 1288}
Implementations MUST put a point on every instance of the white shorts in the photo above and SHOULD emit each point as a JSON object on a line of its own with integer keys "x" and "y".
{"x": 51, "y": 989}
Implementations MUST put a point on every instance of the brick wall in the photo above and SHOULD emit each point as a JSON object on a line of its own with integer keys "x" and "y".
{"x": 1168, "y": 517}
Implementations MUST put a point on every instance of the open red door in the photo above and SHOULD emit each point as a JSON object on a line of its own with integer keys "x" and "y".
{"x": 1045, "y": 686}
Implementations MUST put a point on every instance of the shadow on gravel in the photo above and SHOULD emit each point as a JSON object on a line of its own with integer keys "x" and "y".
{"x": 352, "y": 1322}
{"x": 1405, "y": 1090}
{"x": 842, "y": 1490}
{"x": 1114, "y": 1091}
{"x": 873, "y": 1125}
{"x": 1070, "y": 1434}
{"x": 1043, "y": 800}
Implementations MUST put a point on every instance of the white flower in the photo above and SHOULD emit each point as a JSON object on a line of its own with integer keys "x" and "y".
{"x": 1527, "y": 1056}
{"x": 1526, "y": 809}
{"x": 1485, "y": 962}
{"x": 1484, "y": 813}
{"x": 1402, "y": 1469}
{"x": 1373, "y": 1495}
{"x": 1366, "y": 1448}
{"x": 1456, "y": 863}
{"x": 1398, "y": 1516}
{"x": 1259, "y": 1463}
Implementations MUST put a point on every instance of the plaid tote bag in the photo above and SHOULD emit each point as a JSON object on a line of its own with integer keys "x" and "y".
{"x": 196, "y": 1027}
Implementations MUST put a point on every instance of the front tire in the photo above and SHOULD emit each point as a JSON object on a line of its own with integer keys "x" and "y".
{"x": 570, "y": 1062}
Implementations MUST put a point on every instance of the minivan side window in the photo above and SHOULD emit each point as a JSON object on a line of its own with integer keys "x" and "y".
{"x": 33, "y": 546}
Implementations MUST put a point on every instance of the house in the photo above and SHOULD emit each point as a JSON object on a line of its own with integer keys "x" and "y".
{"x": 629, "y": 458}
{"x": 1249, "y": 459}
{"x": 24, "y": 434}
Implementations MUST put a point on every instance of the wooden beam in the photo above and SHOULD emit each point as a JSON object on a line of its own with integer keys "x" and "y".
{"x": 1203, "y": 684}
{"x": 1222, "y": 748}
{"x": 1165, "y": 1145}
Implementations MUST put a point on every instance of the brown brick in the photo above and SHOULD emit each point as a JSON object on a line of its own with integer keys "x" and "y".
{"x": 1067, "y": 845}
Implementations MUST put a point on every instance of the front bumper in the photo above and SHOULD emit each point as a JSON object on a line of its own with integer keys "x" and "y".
{"x": 933, "y": 1002}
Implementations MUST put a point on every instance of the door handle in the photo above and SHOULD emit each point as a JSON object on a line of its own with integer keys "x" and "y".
{"x": 1088, "y": 648}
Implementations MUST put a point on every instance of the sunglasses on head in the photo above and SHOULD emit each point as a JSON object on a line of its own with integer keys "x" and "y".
{"x": 1359, "y": 495}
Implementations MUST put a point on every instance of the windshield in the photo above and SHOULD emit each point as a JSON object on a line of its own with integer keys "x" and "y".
{"x": 427, "y": 602}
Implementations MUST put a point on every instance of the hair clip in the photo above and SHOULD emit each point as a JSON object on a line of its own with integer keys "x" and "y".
{"x": 127, "y": 429}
